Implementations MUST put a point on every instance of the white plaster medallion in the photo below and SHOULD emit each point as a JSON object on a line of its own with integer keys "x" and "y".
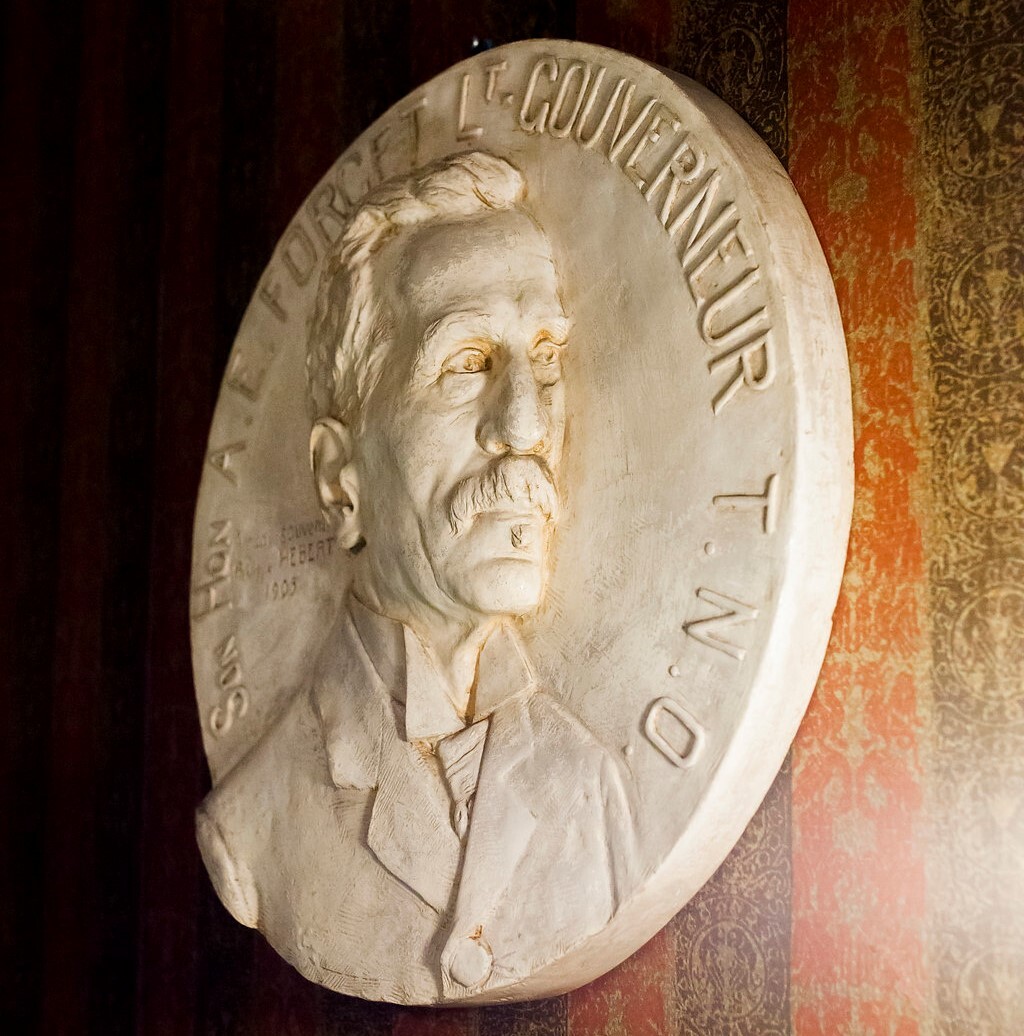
{"x": 524, "y": 517}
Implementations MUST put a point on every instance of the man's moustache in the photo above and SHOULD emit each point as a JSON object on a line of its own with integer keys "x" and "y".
{"x": 509, "y": 483}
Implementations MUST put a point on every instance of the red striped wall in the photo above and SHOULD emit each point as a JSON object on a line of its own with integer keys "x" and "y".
{"x": 153, "y": 153}
{"x": 858, "y": 856}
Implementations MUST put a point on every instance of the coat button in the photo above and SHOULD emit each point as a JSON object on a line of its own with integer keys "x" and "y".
{"x": 470, "y": 963}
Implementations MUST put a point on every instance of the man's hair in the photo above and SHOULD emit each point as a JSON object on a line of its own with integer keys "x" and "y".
{"x": 350, "y": 326}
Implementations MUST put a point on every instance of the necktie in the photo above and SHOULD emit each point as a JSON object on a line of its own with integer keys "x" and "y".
{"x": 460, "y": 755}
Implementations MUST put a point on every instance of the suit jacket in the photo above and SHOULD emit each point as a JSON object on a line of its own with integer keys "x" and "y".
{"x": 334, "y": 837}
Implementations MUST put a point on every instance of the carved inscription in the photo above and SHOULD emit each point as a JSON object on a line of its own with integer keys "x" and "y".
{"x": 214, "y": 590}
{"x": 281, "y": 589}
{"x": 581, "y": 102}
{"x": 307, "y": 552}
{"x": 267, "y": 566}
{"x": 674, "y": 732}
{"x": 298, "y": 253}
{"x": 711, "y": 630}
{"x": 648, "y": 141}
{"x": 269, "y": 293}
{"x": 394, "y": 148}
{"x": 220, "y": 459}
{"x": 493, "y": 72}
{"x": 767, "y": 503}
{"x": 535, "y": 122}
{"x": 248, "y": 365}
{"x": 326, "y": 213}
{"x": 235, "y": 699}
{"x": 299, "y": 544}
{"x": 465, "y": 131}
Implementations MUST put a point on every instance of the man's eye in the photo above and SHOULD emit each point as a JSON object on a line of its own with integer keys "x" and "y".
{"x": 546, "y": 354}
{"x": 468, "y": 361}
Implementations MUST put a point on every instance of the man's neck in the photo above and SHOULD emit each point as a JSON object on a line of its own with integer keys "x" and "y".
{"x": 453, "y": 647}
{"x": 456, "y": 653}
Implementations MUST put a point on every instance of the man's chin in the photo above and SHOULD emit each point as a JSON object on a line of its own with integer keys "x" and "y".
{"x": 504, "y": 586}
{"x": 498, "y": 566}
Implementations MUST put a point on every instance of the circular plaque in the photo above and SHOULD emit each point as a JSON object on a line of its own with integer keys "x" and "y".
{"x": 522, "y": 523}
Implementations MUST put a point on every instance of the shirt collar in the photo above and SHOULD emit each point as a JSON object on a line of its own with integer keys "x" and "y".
{"x": 407, "y": 671}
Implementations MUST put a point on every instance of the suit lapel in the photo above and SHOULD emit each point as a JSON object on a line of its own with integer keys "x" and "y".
{"x": 409, "y": 830}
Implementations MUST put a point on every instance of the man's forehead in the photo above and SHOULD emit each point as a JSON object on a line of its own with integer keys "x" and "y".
{"x": 454, "y": 262}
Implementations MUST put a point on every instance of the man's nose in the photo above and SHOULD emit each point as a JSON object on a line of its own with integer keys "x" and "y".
{"x": 516, "y": 419}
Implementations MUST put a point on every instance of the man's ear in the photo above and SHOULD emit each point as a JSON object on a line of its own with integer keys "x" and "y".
{"x": 337, "y": 484}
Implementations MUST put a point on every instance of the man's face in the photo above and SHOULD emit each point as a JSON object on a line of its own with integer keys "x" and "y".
{"x": 463, "y": 431}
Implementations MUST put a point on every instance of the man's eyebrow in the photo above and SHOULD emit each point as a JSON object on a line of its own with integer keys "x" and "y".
{"x": 471, "y": 322}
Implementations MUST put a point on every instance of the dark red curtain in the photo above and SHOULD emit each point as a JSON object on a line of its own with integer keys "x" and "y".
{"x": 152, "y": 152}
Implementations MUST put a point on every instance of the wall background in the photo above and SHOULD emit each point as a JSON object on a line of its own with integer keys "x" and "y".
{"x": 153, "y": 152}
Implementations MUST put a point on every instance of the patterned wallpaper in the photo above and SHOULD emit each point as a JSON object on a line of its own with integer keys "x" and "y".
{"x": 880, "y": 888}
{"x": 153, "y": 153}
{"x": 859, "y": 849}
{"x": 972, "y": 261}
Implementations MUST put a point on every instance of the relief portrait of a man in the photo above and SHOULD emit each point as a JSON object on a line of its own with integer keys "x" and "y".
{"x": 424, "y": 821}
